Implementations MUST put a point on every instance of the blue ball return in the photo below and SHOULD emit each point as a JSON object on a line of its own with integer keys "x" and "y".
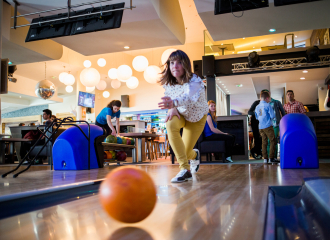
{"x": 71, "y": 150}
{"x": 298, "y": 142}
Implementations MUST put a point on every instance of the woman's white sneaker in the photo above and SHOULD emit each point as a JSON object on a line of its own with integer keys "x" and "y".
{"x": 182, "y": 176}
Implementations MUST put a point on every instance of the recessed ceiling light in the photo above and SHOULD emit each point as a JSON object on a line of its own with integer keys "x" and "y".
{"x": 221, "y": 43}
{"x": 126, "y": 47}
{"x": 223, "y": 84}
{"x": 233, "y": 52}
{"x": 253, "y": 47}
{"x": 305, "y": 71}
{"x": 274, "y": 41}
{"x": 272, "y": 30}
{"x": 302, "y": 78}
{"x": 239, "y": 85}
{"x": 20, "y": 96}
{"x": 243, "y": 38}
{"x": 219, "y": 81}
{"x": 296, "y": 36}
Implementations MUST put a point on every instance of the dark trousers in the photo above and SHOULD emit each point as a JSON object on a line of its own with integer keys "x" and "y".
{"x": 256, "y": 136}
{"x": 105, "y": 126}
{"x": 229, "y": 142}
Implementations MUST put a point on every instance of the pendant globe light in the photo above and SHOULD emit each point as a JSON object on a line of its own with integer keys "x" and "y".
{"x": 132, "y": 83}
{"x": 87, "y": 64}
{"x": 115, "y": 84}
{"x": 106, "y": 94}
{"x": 101, "y": 62}
{"x": 90, "y": 77}
{"x": 101, "y": 85}
{"x": 166, "y": 54}
{"x": 152, "y": 74}
{"x": 140, "y": 63}
{"x": 68, "y": 89}
{"x": 69, "y": 79}
{"x": 62, "y": 76}
{"x": 90, "y": 89}
{"x": 124, "y": 72}
{"x": 112, "y": 73}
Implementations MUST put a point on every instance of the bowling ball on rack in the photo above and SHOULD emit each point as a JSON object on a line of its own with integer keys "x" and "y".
{"x": 119, "y": 140}
{"x": 113, "y": 154}
{"x": 105, "y": 155}
{"x": 121, "y": 156}
{"x": 123, "y": 139}
{"x": 111, "y": 139}
{"x": 123, "y": 184}
{"x": 128, "y": 141}
{"x": 132, "y": 141}
{"x": 109, "y": 155}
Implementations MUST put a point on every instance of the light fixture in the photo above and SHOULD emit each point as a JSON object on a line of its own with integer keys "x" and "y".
{"x": 101, "y": 62}
{"x": 62, "y": 76}
{"x": 239, "y": 85}
{"x": 126, "y": 47}
{"x": 10, "y": 62}
{"x": 132, "y": 83}
{"x": 274, "y": 41}
{"x": 87, "y": 63}
{"x": 233, "y": 52}
{"x": 68, "y": 89}
{"x": 106, "y": 94}
{"x": 243, "y": 38}
{"x": 305, "y": 71}
{"x": 124, "y": 72}
{"x": 272, "y": 30}
{"x": 101, "y": 85}
{"x": 90, "y": 89}
{"x": 140, "y": 63}
{"x": 221, "y": 43}
{"x": 152, "y": 74}
{"x": 223, "y": 84}
{"x": 302, "y": 78}
{"x": 115, "y": 83}
{"x": 69, "y": 79}
{"x": 296, "y": 36}
{"x": 90, "y": 77}
{"x": 253, "y": 47}
{"x": 166, "y": 54}
{"x": 112, "y": 73}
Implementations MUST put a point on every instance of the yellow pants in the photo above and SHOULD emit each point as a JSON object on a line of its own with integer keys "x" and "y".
{"x": 183, "y": 146}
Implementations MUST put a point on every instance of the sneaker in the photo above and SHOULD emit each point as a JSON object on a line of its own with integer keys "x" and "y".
{"x": 194, "y": 164}
{"x": 258, "y": 157}
{"x": 265, "y": 160}
{"x": 273, "y": 160}
{"x": 228, "y": 160}
{"x": 182, "y": 176}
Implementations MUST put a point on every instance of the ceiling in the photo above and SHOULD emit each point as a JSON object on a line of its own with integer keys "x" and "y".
{"x": 249, "y": 44}
{"x": 146, "y": 26}
{"x": 243, "y": 97}
{"x": 257, "y": 22}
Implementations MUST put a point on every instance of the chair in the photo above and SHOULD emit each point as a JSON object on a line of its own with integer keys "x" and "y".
{"x": 207, "y": 147}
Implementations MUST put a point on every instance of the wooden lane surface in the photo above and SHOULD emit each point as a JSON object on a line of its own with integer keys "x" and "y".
{"x": 222, "y": 202}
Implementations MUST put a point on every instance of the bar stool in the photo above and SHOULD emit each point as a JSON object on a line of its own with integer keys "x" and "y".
{"x": 160, "y": 143}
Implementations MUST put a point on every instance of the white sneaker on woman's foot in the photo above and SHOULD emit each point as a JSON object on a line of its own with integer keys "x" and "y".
{"x": 228, "y": 159}
{"x": 182, "y": 176}
{"x": 194, "y": 164}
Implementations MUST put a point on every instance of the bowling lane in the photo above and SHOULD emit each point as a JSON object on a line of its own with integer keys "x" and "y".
{"x": 222, "y": 202}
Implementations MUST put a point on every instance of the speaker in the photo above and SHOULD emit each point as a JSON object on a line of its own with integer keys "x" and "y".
{"x": 208, "y": 66}
{"x": 198, "y": 67}
{"x": 4, "y": 76}
{"x": 288, "y": 2}
{"x": 125, "y": 101}
{"x": 88, "y": 110}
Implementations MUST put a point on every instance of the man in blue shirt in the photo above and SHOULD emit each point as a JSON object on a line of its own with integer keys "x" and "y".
{"x": 265, "y": 115}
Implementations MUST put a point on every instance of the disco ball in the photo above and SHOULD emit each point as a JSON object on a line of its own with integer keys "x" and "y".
{"x": 45, "y": 89}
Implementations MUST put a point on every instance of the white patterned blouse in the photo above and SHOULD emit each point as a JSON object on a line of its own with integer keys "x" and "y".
{"x": 191, "y": 98}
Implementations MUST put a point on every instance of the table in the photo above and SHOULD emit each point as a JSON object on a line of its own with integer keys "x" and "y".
{"x": 11, "y": 142}
{"x": 140, "y": 144}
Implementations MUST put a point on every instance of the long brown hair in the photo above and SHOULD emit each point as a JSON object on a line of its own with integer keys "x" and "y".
{"x": 116, "y": 103}
{"x": 167, "y": 77}
{"x": 214, "y": 114}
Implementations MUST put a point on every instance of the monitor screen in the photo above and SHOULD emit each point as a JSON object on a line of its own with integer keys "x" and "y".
{"x": 86, "y": 99}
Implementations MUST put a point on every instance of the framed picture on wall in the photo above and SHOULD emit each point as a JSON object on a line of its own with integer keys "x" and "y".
{"x": 326, "y": 37}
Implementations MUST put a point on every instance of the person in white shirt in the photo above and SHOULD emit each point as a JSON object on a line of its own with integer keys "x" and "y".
{"x": 185, "y": 99}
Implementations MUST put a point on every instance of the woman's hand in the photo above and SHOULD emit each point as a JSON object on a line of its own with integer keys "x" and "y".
{"x": 167, "y": 103}
{"x": 113, "y": 132}
{"x": 171, "y": 113}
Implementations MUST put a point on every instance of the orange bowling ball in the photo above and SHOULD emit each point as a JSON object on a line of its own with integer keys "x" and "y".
{"x": 128, "y": 194}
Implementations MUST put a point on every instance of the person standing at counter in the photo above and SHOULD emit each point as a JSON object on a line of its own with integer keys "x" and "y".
{"x": 212, "y": 133}
{"x": 293, "y": 106}
{"x": 108, "y": 113}
{"x": 185, "y": 99}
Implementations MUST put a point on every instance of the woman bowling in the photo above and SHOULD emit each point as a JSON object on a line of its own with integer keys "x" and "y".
{"x": 105, "y": 116}
{"x": 212, "y": 133}
{"x": 185, "y": 99}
